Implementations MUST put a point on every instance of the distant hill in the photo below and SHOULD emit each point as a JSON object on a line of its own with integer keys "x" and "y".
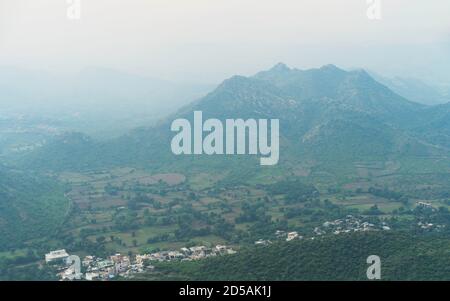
{"x": 30, "y": 207}
{"x": 326, "y": 114}
{"x": 436, "y": 128}
{"x": 413, "y": 89}
{"x": 97, "y": 101}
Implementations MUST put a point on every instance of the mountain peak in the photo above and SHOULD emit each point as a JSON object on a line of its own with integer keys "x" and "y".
{"x": 330, "y": 67}
{"x": 280, "y": 70}
{"x": 280, "y": 67}
{"x": 235, "y": 82}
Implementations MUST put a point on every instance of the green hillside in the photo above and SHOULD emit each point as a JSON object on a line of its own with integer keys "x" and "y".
{"x": 29, "y": 208}
{"x": 325, "y": 114}
{"x": 339, "y": 257}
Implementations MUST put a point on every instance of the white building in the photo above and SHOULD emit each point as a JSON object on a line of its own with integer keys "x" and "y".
{"x": 220, "y": 248}
{"x": 291, "y": 236}
{"x": 262, "y": 242}
{"x": 185, "y": 250}
{"x": 92, "y": 276}
{"x": 425, "y": 205}
{"x": 56, "y": 255}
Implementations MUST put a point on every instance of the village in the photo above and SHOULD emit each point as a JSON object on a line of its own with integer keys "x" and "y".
{"x": 349, "y": 224}
{"x": 70, "y": 267}
{"x": 345, "y": 225}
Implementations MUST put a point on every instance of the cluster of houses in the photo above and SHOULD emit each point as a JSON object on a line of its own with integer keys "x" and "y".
{"x": 280, "y": 235}
{"x": 187, "y": 254}
{"x": 345, "y": 225}
{"x": 288, "y": 236}
{"x": 116, "y": 265}
{"x": 425, "y": 205}
{"x": 349, "y": 224}
{"x": 430, "y": 226}
{"x": 70, "y": 267}
{"x": 96, "y": 268}
{"x": 424, "y": 225}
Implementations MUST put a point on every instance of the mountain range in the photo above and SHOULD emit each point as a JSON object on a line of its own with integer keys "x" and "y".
{"x": 326, "y": 114}
{"x": 415, "y": 89}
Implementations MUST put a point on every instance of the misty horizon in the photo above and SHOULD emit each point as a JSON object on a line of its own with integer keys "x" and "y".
{"x": 206, "y": 42}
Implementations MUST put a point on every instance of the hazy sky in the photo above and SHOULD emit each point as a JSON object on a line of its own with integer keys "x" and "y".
{"x": 209, "y": 40}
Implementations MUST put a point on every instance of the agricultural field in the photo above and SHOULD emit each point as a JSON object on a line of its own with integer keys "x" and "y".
{"x": 129, "y": 210}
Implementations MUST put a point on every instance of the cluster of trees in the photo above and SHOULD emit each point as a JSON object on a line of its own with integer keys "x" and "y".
{"x": 387, "y": 194}
{"x": 252, "y": 212}
{"x": 12, "y": 272}
{"x": 126, "y": 220}
{"x": 30, "y": 208}
{"x": 404, "y": 256}
{"x": 294, "y": 191}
